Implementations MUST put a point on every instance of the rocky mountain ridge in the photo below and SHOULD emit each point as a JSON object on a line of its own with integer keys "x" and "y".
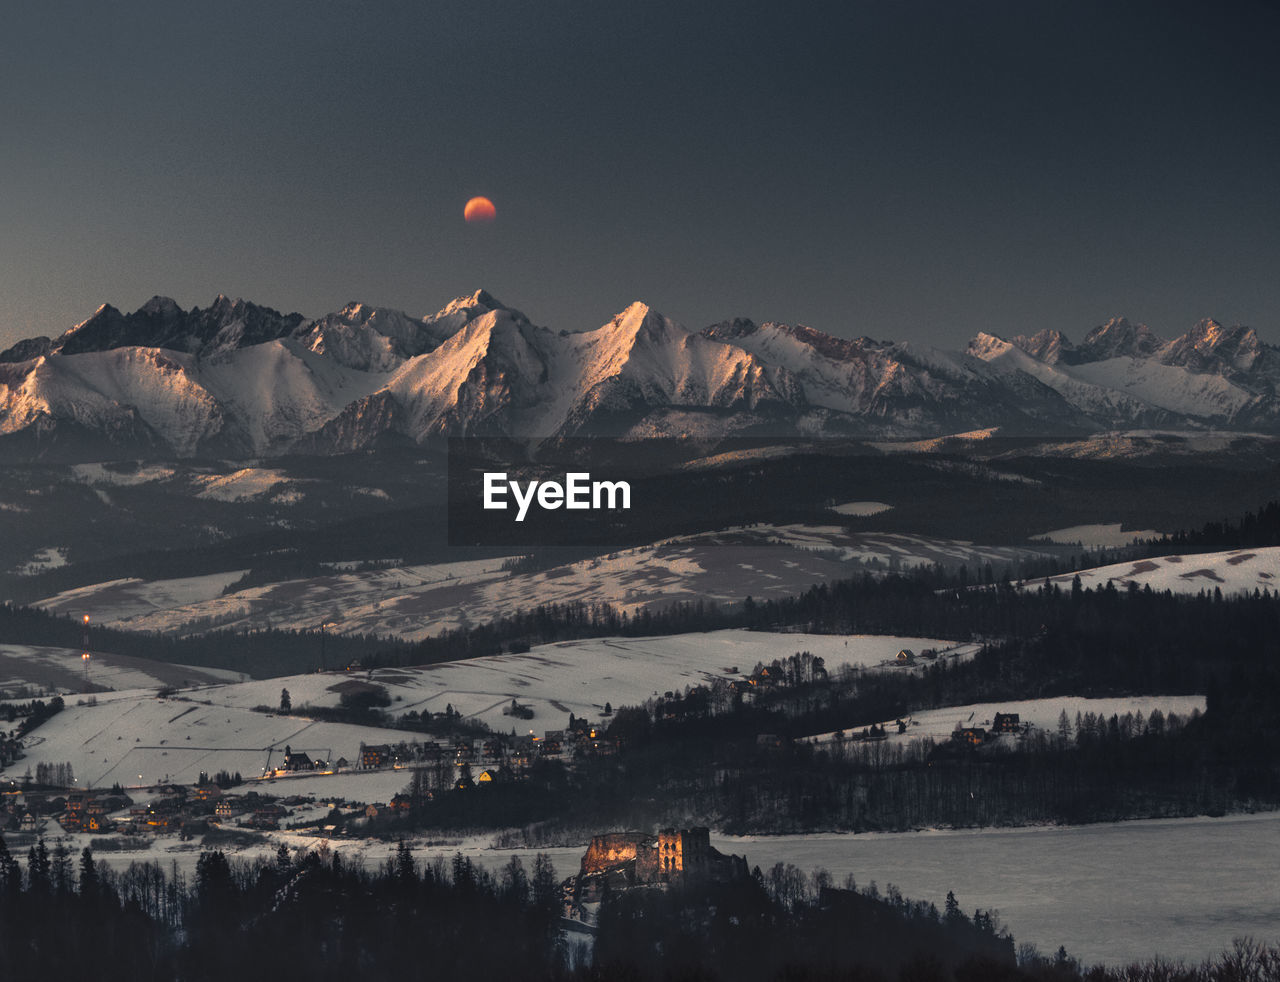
{"x": 237, "y": 380}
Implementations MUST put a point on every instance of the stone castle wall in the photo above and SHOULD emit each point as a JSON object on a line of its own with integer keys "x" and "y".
{"x": 613, "y": 849}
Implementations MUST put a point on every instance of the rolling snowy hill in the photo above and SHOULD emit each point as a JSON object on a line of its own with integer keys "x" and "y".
{"x": 412, "y": 602}
{"x": 1236, "y": 571}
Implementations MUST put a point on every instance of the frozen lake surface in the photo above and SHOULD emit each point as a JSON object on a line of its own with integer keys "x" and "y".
{"x": 1180, "y": 888}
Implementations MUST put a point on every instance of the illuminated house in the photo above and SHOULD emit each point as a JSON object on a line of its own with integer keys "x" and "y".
{"x": 375, "y": 756}
{"x": 1006, "y": 723}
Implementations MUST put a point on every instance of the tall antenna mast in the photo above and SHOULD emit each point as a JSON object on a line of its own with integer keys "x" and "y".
{"x": 85, "y": 647}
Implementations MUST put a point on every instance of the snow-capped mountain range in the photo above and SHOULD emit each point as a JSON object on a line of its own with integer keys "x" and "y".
{"x": 238, "y": 380}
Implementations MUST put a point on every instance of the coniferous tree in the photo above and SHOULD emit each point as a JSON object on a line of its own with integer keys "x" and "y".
{"x": 88, "y": 875}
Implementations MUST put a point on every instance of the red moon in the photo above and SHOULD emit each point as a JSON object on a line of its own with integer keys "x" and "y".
{"x": 479, "y": 210}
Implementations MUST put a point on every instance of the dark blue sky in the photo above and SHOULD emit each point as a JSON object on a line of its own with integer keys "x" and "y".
{"x": 902, "y": 169}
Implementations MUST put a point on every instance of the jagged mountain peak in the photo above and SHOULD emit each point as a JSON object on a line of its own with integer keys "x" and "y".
{"x": 643, "y": 322}
{"x": 737, "y": 327}
{"x": 1046, "y": 345}
{"x": 828, "y": 345}
{"x": 481, "y": 300}
{"x": 356, "y": 312}
{"x": 159, "y": 306}
{"x": 377, "y": 339}
{"x": 1210, "y": 347}
{"x": 1118, "y": 338}
{"x": 986, "y": 345}
{"x": 28, "y": 349}
{"x": 160, "y": 323}
{"x": 1212, "y": 334}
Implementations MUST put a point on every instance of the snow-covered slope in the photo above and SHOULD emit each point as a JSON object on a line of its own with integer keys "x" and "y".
{"x": 29, "y": 670}
{"x": 1237, "y": 571}
{"x": 579, "y": 677}
{"x": 143, "y": 739}
{"x": 1041, "y": 714}
{"x": 412, "y": 602}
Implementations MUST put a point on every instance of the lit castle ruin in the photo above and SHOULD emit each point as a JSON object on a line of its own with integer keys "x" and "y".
{"x": 621, "y": 860}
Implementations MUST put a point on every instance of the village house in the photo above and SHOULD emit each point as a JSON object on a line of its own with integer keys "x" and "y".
{"x": 552, "y": 744}
{"x": 1006, "y": 723}
{"x": 595, "y": 744}
{"x": 522, "y": 754}
{"x": 373, "y": 757}
{"x": 267, "y": 817}
{"x": 400, "y": 802}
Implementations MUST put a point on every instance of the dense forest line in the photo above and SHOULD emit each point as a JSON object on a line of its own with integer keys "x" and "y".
{"x": 1253, "y": 530}
{"x": 316, "y": 916}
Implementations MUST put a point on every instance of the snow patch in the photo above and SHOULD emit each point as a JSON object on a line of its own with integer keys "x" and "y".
{"x": 861, "y": 509}
{"x": 248, "y": 482}
{"x": 53, "y": 557}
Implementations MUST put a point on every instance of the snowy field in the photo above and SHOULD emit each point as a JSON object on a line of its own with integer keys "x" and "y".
{"x": 1101, "y": 536}
{"x": 145, "y": 739}
{"x": 1237, "y": 571}
{"x": 1134, "y": 444}
{"x": 1180, "y": 888}
{"x": 939, "y": 443}
{"x": 26, "y": 670}
{"x": 412, "y": 602}
{"x": 119, "y": 601}
{"x": 1114, "y": 893}
{"x": 577, "y": 677}
{"x": 1043, "y": 714}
